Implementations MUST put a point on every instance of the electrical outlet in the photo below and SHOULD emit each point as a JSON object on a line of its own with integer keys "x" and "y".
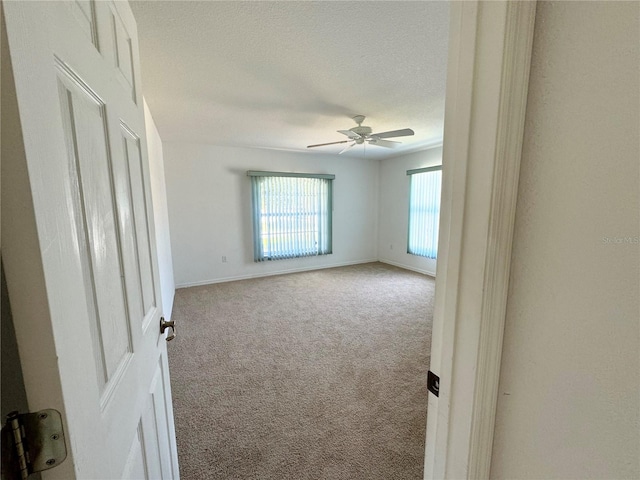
{"x": 224, "y": 259}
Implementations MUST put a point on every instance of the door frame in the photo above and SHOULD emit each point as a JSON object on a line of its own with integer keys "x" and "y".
{"x": 488, "y": 76}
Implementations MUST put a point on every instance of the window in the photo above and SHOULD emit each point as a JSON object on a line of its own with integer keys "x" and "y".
{"x": 291, "y": 215}
{"x": 424, "y": 211}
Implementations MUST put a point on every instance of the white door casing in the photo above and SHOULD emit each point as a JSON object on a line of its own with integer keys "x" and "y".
{"x": 78, "y": 239}
{"x": 487, "y": 83}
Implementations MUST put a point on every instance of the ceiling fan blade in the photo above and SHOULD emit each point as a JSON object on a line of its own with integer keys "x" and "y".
{"x": 384, "y": 143}
{"x": 350, "y": 134}
{"x": 325, "y": 144}
{"x": 347, "y": 148}
{"x": 394, "y": 133}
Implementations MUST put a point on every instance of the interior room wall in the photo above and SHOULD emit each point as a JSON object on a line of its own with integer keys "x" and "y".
{"x": 569, "y": 401}
{"x": 209, "y": 200}
{"x": 160, "y": 213}
{"x": 393, "y": 216}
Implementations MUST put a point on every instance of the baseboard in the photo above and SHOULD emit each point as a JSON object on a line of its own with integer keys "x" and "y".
{"x": 270, "y": 274}
{"x": 407, "y": 267}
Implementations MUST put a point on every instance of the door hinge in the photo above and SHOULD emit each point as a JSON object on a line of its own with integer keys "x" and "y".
{"x": 32, "y": 442}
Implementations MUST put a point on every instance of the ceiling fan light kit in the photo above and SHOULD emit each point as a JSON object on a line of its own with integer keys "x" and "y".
{"x": 362, "y": 133}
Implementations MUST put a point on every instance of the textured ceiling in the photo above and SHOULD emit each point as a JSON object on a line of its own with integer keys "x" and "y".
{"x": 287, "y": 74}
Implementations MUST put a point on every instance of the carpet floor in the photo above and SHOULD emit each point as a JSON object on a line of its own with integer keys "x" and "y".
{"x": 314, "y": 375}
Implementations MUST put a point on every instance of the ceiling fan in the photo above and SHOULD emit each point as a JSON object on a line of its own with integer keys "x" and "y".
{"x": 361, "y": 134}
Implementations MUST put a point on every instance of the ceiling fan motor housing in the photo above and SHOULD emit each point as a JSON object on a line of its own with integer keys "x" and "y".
{"x": 362, "y": 131}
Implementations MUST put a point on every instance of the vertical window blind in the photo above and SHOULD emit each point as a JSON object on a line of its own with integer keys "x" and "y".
{"x": 291, "y": 215}
{"x": 424, "y": 211}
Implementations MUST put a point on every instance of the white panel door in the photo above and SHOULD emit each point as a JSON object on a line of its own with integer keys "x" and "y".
{"x": 96, "y": 333}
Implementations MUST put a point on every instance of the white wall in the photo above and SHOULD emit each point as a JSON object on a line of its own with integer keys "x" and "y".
{"x": 209, "y": 201}
{"x": 393, "y": 214}
{"x": 569, "y": 400}
{"x": 160, "y": 214}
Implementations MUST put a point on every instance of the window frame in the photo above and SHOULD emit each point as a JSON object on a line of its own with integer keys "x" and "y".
{"x": 258, "y": 252}
{"x": 410, "y": 174}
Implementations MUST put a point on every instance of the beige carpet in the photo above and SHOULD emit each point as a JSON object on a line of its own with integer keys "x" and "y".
{"x": 314, "y": 375}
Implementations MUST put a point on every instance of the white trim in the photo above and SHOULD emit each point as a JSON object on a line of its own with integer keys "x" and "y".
{"x": 407, "y": 267}
{"x": 458, "y": 103}
{"x": 270, "y": 274}
{"x": 510, "y": 131}
{"x": 489, "y": 59}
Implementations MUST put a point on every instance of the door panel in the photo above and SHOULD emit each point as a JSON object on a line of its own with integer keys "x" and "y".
{"x": 85, "y": 14}
{"x": 135, "y": 177}
{"x": 83, "y": 117}
{"x": 163, "y": 419}
{"x": 122, "y": 52}
{"x": 90, "y": 263}
{"x": 155, "y": 426}
{"x": 136, "y": 466}
{"x": 131, "y": 263}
